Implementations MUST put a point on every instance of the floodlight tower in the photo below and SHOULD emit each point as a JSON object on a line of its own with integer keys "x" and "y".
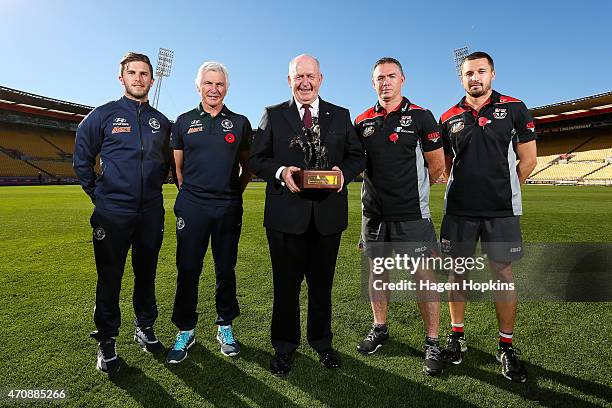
{"x": 460, "y": 54}
{"x": 164, "y": 67}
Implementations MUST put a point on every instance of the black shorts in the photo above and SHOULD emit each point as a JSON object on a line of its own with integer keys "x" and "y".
{"x": 500, "y": 238}
{"x": 381, "y": 238}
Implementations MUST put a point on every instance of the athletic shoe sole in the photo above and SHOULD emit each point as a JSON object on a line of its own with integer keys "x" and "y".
{"x": 367, "y": 353}
{"x": 189, "y": 345}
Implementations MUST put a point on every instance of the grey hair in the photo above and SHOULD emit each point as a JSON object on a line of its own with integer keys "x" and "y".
{"x": 292, "y": 63}
{"x": 211, "y": 66}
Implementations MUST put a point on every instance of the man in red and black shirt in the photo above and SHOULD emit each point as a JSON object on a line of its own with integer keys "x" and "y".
{"x": 404, "y": 153}
{"x": 484, "y": 135}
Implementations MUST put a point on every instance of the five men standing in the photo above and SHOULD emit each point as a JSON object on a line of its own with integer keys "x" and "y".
{"x": 482, "y": 137}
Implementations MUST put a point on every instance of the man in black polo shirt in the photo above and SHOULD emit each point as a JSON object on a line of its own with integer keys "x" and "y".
{"x": 483, "y": 135}
{"x": 404, "y": 153}
{"x": 211, "y": 148}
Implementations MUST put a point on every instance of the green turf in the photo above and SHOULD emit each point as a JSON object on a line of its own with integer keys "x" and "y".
{"x": 47, "y": 281}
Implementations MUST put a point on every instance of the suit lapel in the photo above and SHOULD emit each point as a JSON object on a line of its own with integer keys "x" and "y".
{"x": 293, "y": 117}
{"x": 325, "y": 117}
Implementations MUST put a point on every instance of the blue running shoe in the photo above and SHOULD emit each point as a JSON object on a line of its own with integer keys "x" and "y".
{"x": 184, "y": 341}
{"x": 229, "y": 345}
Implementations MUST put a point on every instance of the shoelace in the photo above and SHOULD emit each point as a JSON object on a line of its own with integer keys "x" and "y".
{"x": 372, "y": 334}
{"x": 432, "y": 353}
{"x": 452, "y": 344}
{"x": 148, "y": 334}
{"x": 108, "y": 350}
{"x": 182, "y": 338}
{"x": 227, "y": 335}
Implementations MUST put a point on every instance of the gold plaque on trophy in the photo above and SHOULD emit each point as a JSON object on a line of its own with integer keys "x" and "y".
{"x": 322, "y": 179}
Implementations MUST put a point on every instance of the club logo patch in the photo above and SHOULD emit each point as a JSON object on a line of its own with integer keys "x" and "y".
{"x": 368, "y": 131}
{"x": 457, "y": 127}
{"x": 531, "y": 126}
{"x": 405, "y": 121}
{"x": 227, "y": 124}
{"x": 99, "y": 233}
{"x": 180, "y": 223}
{"x": 154, "y": 123}
{"x": 500, "y": 113}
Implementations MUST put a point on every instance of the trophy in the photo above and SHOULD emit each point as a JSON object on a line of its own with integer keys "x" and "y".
{"x": 317, "y": 174}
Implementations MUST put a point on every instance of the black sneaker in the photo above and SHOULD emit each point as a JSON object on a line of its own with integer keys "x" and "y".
{"x": 455, "y": 347}
{"x": 145, "y": 337}
{"x": 433, "y": 364}
{"x": 512, "y": 368}
{"x": 373, "y": 341}
{"x": 107, "y": 361}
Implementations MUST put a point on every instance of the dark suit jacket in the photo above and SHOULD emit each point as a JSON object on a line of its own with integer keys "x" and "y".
{"x": 291, "y": 213}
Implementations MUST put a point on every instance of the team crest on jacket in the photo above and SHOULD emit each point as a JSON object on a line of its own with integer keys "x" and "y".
{"x": 500, "y": 113}
{"x": 154, "y": 123}
{"x": 457, "y": 127}
{"x": 405, "y": 121}
{"x": 368, "y": 131}
{"x": 227, "y": 124}
{"x": 99, "y": 233}
{"x": 180, "y": 223}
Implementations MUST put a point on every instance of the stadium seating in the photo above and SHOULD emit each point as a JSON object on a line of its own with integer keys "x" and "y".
{"x": 569, "y": 171}
{"x": 28, "y": 143}
{"x": 602, "y": 174}
{"x": 56, "y": 168}
{"x": 64, "y": 141}
{"x": 10, "y": 167}
{"x": 592, "y": 155}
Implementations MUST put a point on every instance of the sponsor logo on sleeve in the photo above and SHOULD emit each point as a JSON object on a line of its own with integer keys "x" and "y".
{"x": 433, "y": 136}
{"x": 531, "y": 126}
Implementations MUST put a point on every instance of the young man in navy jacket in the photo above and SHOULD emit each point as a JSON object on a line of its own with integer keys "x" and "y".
{"x": 132, "y": 140}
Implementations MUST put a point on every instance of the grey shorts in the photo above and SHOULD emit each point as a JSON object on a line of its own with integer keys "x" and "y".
{"x": 380, "y": 238}
{"x": 500, "y": 238}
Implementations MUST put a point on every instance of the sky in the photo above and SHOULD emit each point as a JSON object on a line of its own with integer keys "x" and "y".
{"x": 544, "y": 51}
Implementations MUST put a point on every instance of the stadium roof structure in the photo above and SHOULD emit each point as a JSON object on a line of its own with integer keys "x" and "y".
{"x": 19, "y": 101}
{"x": 593, "y": 105}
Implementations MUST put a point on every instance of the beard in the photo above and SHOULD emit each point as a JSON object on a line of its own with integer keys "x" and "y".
{"x": 478, "y": 92}
{"x": 137, "y": 93}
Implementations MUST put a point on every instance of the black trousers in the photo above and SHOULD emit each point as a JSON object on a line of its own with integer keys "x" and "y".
{"x": 294, "y": 257}
{"x": 196, "y": 225}
{"x": 113, "y": 235}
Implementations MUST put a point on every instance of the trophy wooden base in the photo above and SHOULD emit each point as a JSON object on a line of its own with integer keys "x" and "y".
{"x": 318, "y": 179}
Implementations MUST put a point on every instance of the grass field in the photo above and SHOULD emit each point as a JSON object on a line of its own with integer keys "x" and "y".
{"x": 47, "y": 286}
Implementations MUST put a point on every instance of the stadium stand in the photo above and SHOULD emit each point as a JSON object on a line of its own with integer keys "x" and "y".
{"x": 10, "y": 167}
{"x": 574, "y": 141}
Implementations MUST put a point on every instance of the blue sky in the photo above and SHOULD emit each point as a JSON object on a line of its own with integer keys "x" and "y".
{"x": 544, "y": 51}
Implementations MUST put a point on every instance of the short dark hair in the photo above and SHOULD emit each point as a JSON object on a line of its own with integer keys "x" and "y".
{"x": 479, "y": 55}
{"x": 388, "y": 60}
{"x": 134, "y": 56}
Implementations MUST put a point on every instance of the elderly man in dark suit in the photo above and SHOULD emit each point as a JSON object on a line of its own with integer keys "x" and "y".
{"x": 304, "y": 226}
